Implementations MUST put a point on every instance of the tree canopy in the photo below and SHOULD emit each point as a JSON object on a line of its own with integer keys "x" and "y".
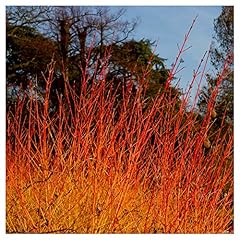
{"x": 221, "y": 49}
{"x": 80, "y": 40}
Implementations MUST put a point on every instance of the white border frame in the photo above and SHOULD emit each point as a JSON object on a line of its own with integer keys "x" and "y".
{"x": 236, "y": 3}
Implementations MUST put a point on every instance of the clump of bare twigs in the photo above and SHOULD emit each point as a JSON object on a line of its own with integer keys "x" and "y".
{"x": 130, "y": 169}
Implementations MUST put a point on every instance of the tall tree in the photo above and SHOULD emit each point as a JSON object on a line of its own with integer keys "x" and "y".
{"x": 77, "y": 33}
{"x": 79, "y": 38}
{"x": 28, "y": 53}
{"x": 222, "y": 46}
{"x": 134, "y": 61}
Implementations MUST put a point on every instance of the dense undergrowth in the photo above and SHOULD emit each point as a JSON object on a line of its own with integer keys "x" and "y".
{"x": 107, "y": 167}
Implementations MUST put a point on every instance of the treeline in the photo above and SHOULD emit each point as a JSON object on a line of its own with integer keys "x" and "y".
{"x": 91, "y": 43}
{"x": 83, "y": 42}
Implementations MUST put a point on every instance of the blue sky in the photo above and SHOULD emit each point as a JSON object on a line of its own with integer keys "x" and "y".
{"x": 168, "y": 25}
